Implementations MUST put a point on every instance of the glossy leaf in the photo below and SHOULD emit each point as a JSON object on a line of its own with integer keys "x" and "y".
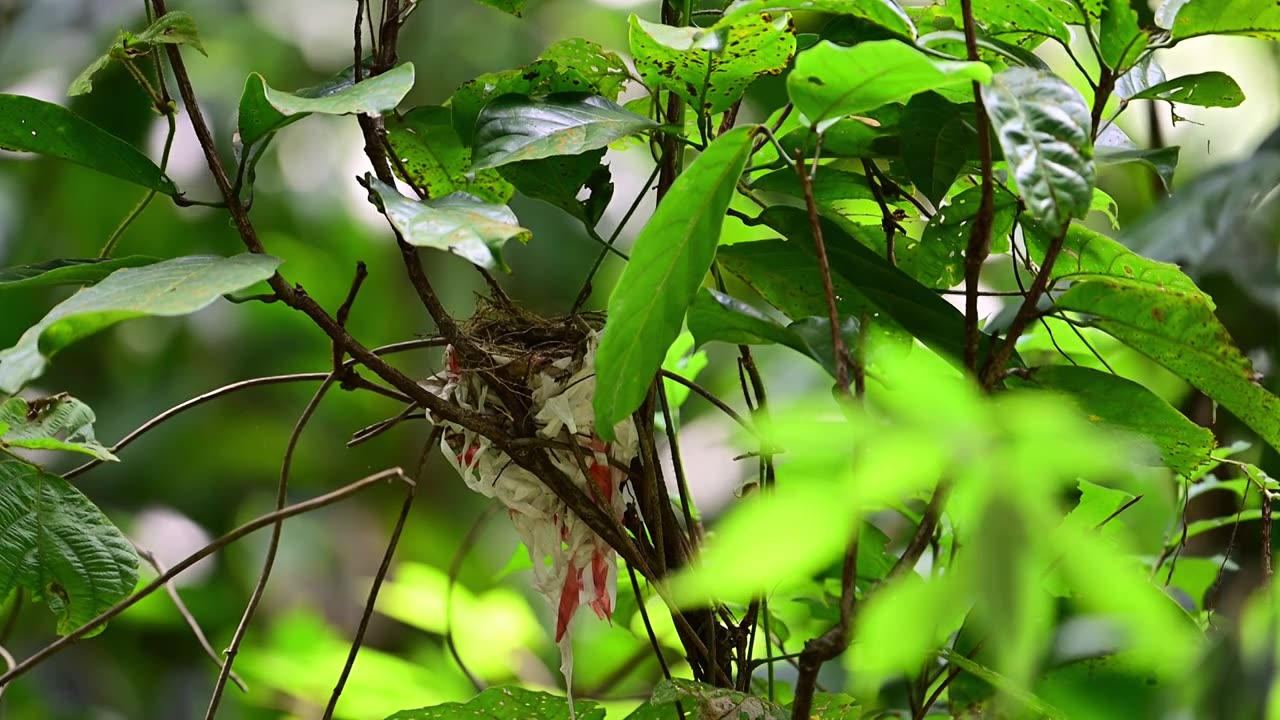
{"x": 545, "y": 76}
{"x": 937, "y": 259}
{"x": 937, "y": 138}
{"x": 459, "y": 223}
{"x": 31, "y": 125}
{"x": 830, "y": 82}
{"x": 60, "y": 422}
{"x": 883, "y": 13}
{"x": 670, "y": 257}
{"x": 513, "y": 128}
{"x": 1123, "y": 404}
{"x": 1210, "y": 89}
{"x": 59, "y": 547}
{"x": 66, "y": 271}
{"x": 166, "y": 289}
{"x": 1164, "y": 161}
{"x": 711, "y": 69}
{"x": 434, "y": 159}
{"x": 1120, "y": 40}
{"x": 560, "y": 181}
{"x": 1087, "y": 253}
{"x": 506, "y": 703}
{"x": 1044, "y": 128}
{"x": 1177, "y": 328}
{"x": 264, "y": 110}
{"x": 1258, "y": 18}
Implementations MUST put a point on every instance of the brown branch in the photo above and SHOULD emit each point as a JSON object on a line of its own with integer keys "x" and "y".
{"x": 887, "y": 220}
{"x": 980, "y": 235}
{"x": 924, "y": 531}
{"x": 830, "y": 644}
{"x": 994, "y": 368}
{"x": 824, "y": 267}
{"x": 269, "y": 519}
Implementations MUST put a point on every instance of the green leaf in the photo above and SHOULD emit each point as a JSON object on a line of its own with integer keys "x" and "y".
{"x": 937, "y": 260}
{"x": 512, "y": 128}
{"x": 1012, "y": 689}
{"x": 1147, "y": 73}
{"x": 60, "y": 547}
{"x": 1086, "y": 253}
{"x": 506, "y": 703}
{"x": 1259, "y": 18}
{"x": 66, "y": 271}
{"x": 1026, "y": 23}
{"x": 560, "y": 180}
{"x": 435, "y": 160}
{"x": 264, "y": 110}
{"x": 166, "y": 289}
{"x": 460, "y": 223}
{"x": 511, "y": 7}
{"x": 1200, "y": 527}
{"x": 709, "y": 701}
{"x": 711, "y": 69}
{"x": 541, "y": 77}
{"x": 937, "y": 138}
{"x": 670, "y": 257}
{"x": 36, "y": 425}
{"x": 883, "y": 13}
{"x": 830, "y": 82}
{"x": 84, "y": 81}
{"x": 31, "y": 125}
{"x": 1044, "y": 128}
{"x": 1209, "y": 89}
{"x": 173, "y": 28}
{"x": 835, "y": 706}
{"x": 605, "y": 70}
{"x": 1177, "y": 328}
{"x": 1164, "y": 161}
{"x": 1116, "y": 402}
{"x": 1120, "y": 39}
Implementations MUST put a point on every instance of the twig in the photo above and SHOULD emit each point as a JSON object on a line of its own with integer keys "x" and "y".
{"x": 980, "y": 236}
{"x": 830, "y": 644}
{"x": 1266, "y": 535}
{"x": 270, "y": 518}
{"x": 887, "y": 220}
{"x": 682, "y": 482}
{"x": 824, "y": 267}
{"x": 709, "y": 397}
{"x": 1211, "y": 597}
{"x": 924, "y": 531}
{"x": 585, "y": 292}
{"x": 455, "y": 567}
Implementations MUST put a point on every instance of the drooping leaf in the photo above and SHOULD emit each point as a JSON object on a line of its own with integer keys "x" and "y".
{"x": 1120, "y": 39}
{"x": 83, "y": 83}
{"x": 709, "y": 701}
{"x": 1044, "y": 128}
{"x": 460, "y": 223}
{"x": 511, "y": 7}
{"x": 830, "y": 82}
{"x": 1087, "y": 253}
{"x": 513, "y": 128}
{"x": 66, "y": 271}
{"x": 264, "y": 110}
{"x": 31, "y": 125}
{"x": 1177, "y": 328}
{"x": 1120, "y": 403}
{"x": 60, "y": 547}
{"x": 434, "y": 158}
{"x": 173, "y": 28}
{"x": 937, "y": 260}
{"x": 560, "y": 181}
{"x": 1258, "y": 18}
{"x": 883, "y": 13}
{"x": 711, "y": 69}
{"x": 1208, "y": 89}
{"x": 1164, "y": 161}
{"x": 166, "y": 289}
{"x": 506, "y": 703}
{"x": 670, "y": 257}
{"x": 937, "y": 138}
{"x": 37, "y": 425}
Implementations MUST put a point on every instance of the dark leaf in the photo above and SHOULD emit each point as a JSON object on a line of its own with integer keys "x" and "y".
{"x": 434, "y": 158}
{"x": 1164, "y": 161}
{"x": 937, "y": 259}
{"x": 66, "y": 271}
{"x": 513, "y": 128}
{"x": 937, "y": 138}
{"x": 541, "y": 77}
{"x": 559, "y": 181}
{"x": 1120, "y": 39}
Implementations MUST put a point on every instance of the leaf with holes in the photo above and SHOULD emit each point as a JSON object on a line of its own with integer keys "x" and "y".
{"x": 66, "y": 271}
{"x": 31, "y": 125}
{"x": 60, "y": 547}
{"x": 37, "y": 425}
{"x": 937, "y": 138}
{"x": 1022, "y": 22}
{"x": 1210, "y": 89}
{"x": 513, "y": 128}
{"x": 433, "y": 158}
{"x": 606, "y": 72}
{"x": 711, "y": 68}
{"x": 1044, "y": 129}
{"x": 883, "y": 13}
{"x": 709, "y": 701}
{"x": 541, "y": 77}
{"x": 166, "y": 289}
{"x": 1177, "y": 328}
{"x": 506, "y": 703}
{"x": 938, "y": 260}
{"x": 830, "y": 82}
{"x": 669, "y": 260}
{"x": 264, "y": 110}
{"x": 560, "y": 180}
{"x": 1258, "y": 18}
{"x": 459, "y": 223}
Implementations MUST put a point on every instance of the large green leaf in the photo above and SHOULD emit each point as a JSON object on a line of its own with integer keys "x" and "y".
{"x": 560, "y": 181}
{"x": 1044, "y": 128}
{"x": 884, "y": 13}
{"x": 605, "y": 70}
{"x": 830, "y": 81}
{"x": 1120, "y": 39}
{"x": 37, "y": 425}
{"x": 506, "y": 703}
{"x": 174, "y": 287}
{"x": 513, "y": 128}
{"x": 264, "y": 110}
{"x": 460, "y": 223}
{"x": 711, "y": 69}
{"x": 1120, "y": 403}
{"x": 1088, "y": 253}
{"x": 31, "y": 125}
{"x": 937, "y": 259}
{"x": 1026, "y": 22}
{"x": 1259, "y": 18}
{"x": 434, "y": 158}
{"x": 937, "y": 138}
{"x": 60, "y": 547}
{"x": 670, "y": 257}
{"x": 66, "y": 271}
{"x": 1209, "y": 89}
{"x": 1177, "y": 328}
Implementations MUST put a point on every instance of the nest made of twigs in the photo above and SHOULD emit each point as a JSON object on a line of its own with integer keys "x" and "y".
{"x": 516, "y": 342}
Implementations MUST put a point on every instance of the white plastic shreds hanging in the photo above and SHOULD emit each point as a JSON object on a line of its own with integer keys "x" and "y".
{"x": 560, "y": 382}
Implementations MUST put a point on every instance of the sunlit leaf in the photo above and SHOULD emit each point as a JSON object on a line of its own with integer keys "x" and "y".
{"x": 901, "y": 624}
{"x": 433, "y": 158}
{"x": 60, "y": 422}
{"x": 507, "y": 703}
{"x": 59, "y": 547}
{"x": 66, "y": 271}
{"x": 606, "y": 72}
{"x": 1145, "y": 74}
{"x": 1025, "y": 23}
{"x": 1259, "y": 18}
{"x": 512, "y": 7}
{"x": 1087, "y": 253}
{"x": 174, "y": 287}
{"x": 1209, "y": 89}
{"x": 545, "y": 76}
{"x": 884, "y": 13}
{"x": 1120, "y": 39}
{"x": 512, "y": 128}
{"x": 173, "y": 28}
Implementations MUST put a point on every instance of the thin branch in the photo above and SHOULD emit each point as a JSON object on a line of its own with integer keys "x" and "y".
{"x": 824, "y": 267}
{"x": 994, "y": 368}
{"x": 980, "y": 236}
{"x": 585, "y": 292}
{"x": 269, "y": 519}
{"x": 887, "y": 221}
{"x": 709, "y": 397}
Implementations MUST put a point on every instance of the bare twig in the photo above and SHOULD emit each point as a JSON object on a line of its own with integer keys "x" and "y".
{"x": 824, "y": 267}
{"x": 980, "y": 235}
{"x": 709, "y": 397}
